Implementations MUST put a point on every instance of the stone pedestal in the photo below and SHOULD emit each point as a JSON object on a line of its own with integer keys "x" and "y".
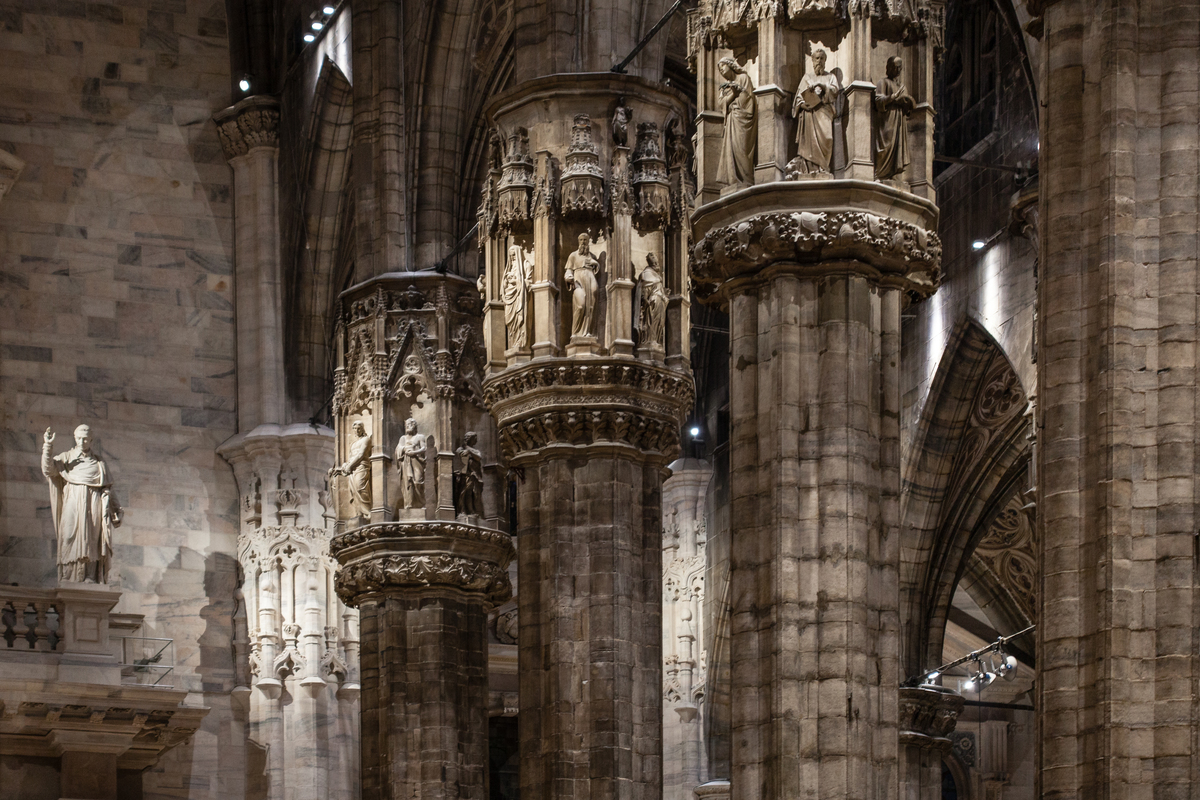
{"x": 418, "y": 502}
{"x": 814, "y": 275}
{"x": 589, "y": 422}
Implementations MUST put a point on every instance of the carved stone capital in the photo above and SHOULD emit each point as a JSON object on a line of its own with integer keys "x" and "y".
{"x": 254, "y": 122}
{"x": 405, "y": 556}
{"x": 612, "y": 403}
{"x": 814, "y": 228}
{"x": 10, "y": 170}
{"x": 928, "y": 715}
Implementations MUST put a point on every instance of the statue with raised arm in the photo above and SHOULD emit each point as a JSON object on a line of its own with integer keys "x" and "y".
{"x": 652, "y": 304}
{"x": 893, "y": 104}
{"x": 814, "y": 108}
{"x": 410, "y": 460}
{"x": 514, "y": 289}
{"x": 357, "y": 471}
{"x": 83, "y": 507}
{"x": 741, "y": 124}
{"x": 580, "y": 275}
{"x": 470, "y": 479}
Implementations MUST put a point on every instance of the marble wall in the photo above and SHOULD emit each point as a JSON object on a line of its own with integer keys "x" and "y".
{"x": 116, "y": 266}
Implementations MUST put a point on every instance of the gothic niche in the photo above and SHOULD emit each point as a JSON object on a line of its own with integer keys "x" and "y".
{"x": 650, "y": 180}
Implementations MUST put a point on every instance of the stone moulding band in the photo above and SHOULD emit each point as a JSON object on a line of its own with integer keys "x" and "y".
{"x": 895, "y": 251}
{"x": 420, "y": 555}
{"x": 625, "y": 407}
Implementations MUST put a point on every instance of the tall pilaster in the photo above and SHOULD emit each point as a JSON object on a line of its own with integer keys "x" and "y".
{"x": 295, "y": 643}
{"x": 589, "y": 418}
{"x": 419, "y": 504}
{"x": 814, "y": 270}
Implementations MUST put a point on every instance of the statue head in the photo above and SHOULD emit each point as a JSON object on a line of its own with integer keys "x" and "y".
{"x": 729, "y": 67}
{"x": 83, "y": 438}
{"x": 652, "y": 261}
{"x": 359, "y": 428}
{"x": 819, "y": 58}
{"x": 895, "y": 65}
{"x": 469, "y": 438}
{"x": 584, "y": 242}
{"x": 410, "y": 426}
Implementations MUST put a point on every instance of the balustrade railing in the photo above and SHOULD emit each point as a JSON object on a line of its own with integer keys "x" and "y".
{"x": 31, "y": 620}
{"x": 68, "y": 619}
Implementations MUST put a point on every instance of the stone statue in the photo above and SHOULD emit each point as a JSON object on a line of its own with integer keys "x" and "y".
{"x": 410, "y": 460}
{"x": 652, "y": 304}
{"x": 513, "y": 291}
{"x": 470, "y": 479}
{"x": 357, "y": 470}
{"x": 814, "y": 108}
{"x": 620, "y": 123}
{"x": 741, "y": 124}
{"x": 893, "y": 104}
{"x": 83, "y": 507}
{"x": 580, "y": 274}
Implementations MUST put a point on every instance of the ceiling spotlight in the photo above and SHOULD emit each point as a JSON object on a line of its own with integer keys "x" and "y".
{"x": 328, "y": 10}
{"x": 316, "y": 26}
{"x": 308, "y": 37}
{"x": 244, "y": 84}
{"x": 978, "y": 244}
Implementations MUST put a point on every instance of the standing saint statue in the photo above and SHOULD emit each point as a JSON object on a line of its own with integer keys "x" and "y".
{"x": 514, "y": 289}
{"x": 652, "y": 304}
{"x": 580, "y": 275}
{"x": 741, "y": 124}
{"x": 410, "y": 458}
{"x": 814, "y": 108}
{"x": 893, "y": 104}
{"x": 470, "y": 479}
{"x": 357, "y": 471}
{"x": 83, "y": 507}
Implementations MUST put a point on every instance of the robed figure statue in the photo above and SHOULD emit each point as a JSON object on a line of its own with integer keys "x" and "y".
{"x": 357, "y": 471}
{"x": 814, "y": 108}
{"x": 741, "y": 125}
{"x": 580, "y": 274}
{"x": 893, "y": 104}
{"x": 83, "y": 507}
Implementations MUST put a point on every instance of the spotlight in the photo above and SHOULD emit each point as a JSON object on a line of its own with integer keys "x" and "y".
{"x": 694, "y": 431}
{"x": 328, "y": 10}
{"x": 308, "y": 37}
{"x": 978, "y": 244}
{"x": 244, "y": 84}
{"x": 316, "y": 26}
{"x": 1009, "y": 668}
{"x": 969, "y": 686}
{"x": 931, "y": 677}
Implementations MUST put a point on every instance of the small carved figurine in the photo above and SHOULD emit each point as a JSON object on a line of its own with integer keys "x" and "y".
{"x": 814, "y": 109}
{"x": 410, "y": 458}
{"x": 357, "y": 471}
{"x": 893, "y": 104}
{"x": 652, "y": 304}
{"x": 83, "y": 507}
{"x": 514, "y": 290}
{"x": 470, "y": 479}
{"x": 580, "y": 274}
{"x": 620, "y": 123}
{"x": 741, "y": 124}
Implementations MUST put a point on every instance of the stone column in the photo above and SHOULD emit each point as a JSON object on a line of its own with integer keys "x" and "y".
{"x": 928, "y": 715}
{"x": 814, "y": 477}
{"x": 418, "y": 502}
{"x": 588, "y": 424}
{"x": 814, "y": 273}
{"x": 1118, "y": 492}
{"x": 685, "y": 662}
{"x": 249, "y": 133}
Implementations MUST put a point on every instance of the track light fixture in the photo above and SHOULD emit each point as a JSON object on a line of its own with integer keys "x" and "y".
{"x": 1000, "y": 664}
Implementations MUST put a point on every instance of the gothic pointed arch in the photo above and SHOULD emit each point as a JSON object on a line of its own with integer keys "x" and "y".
{"x": 968, "y": 459}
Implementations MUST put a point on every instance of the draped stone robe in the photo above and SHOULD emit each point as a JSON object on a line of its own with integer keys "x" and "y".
{"x": 83, "y": 507}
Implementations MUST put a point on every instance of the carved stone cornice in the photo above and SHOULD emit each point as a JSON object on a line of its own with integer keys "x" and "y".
{"x": 253, "y": 122}
{"x": 928, "y": 715}
{"x": 411, "y": 556}
{"x": 572, "y": 403}
{"x": 817, "y": 227}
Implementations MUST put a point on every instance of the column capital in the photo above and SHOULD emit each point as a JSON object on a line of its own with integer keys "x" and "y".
{"x": 814, "y": 227}
{"x": 419, "y": 555}
{"x": 928, "y": 715}
{"x": 251, "y": 123}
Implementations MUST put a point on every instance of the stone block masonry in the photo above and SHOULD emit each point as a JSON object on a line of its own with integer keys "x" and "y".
{"x": 116, "y": 310}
